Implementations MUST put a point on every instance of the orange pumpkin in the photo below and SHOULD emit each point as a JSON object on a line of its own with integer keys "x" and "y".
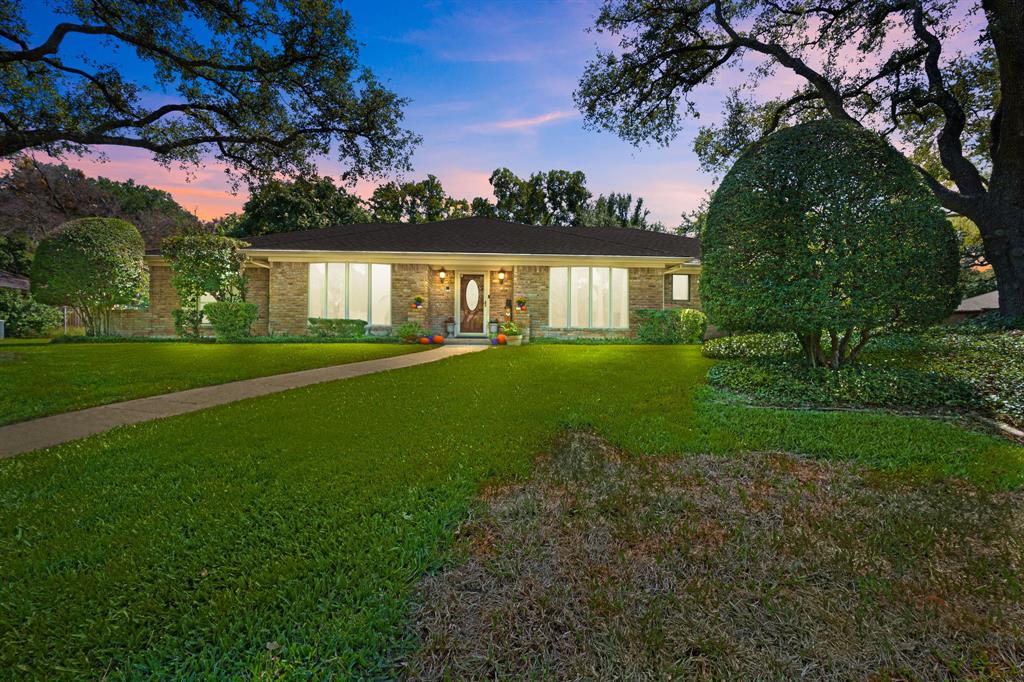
{"x": 502, "y": 338}
{"x": 424, "y": 339}
{"x": 438, "y": 339}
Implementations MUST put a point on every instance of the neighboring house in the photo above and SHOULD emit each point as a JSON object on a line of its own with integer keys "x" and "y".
{"x": 975, "y": 305}
{"x": 9, "y": 280}
{"x": 576, "y": 282}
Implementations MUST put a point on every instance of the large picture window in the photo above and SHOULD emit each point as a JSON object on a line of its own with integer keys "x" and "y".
{"x": 588, "y": 298}
{"x": 352, "y": 291}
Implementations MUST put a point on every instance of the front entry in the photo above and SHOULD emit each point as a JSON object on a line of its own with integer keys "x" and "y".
{"x": 471, "y": 304}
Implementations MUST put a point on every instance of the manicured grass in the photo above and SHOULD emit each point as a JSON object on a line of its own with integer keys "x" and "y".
{"x": 40, "y": 378}
{"x": 286, "y": 534}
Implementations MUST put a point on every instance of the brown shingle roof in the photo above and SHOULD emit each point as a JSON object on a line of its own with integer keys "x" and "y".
{"x": 483, "y": 235}
{"x": 9, "y": 280}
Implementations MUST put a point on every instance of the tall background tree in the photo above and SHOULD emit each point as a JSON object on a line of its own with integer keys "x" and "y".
{"x": 304, "y": 204}
{"x": 36, "y": 199}
{"x": 424, "y": 201}
{"x": 265, "y": 86}
{"x": 886, "y": 65}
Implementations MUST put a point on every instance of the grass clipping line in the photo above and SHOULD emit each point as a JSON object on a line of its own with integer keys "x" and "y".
{"x": 757, "y": 566}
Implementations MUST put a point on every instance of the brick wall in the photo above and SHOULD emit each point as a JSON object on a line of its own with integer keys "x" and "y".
{"x": 531, "y": 282}
{"x": 162, "y": 300}
{"x": 501, "y": 292}
{"x": 407, "y": 282}
{"x": 259, "y": 293}
{"x": 158, "y": 320}
{"x": 288, "y": 298}
{"x": 280, "y": 293}
{"x": 440, "y": 300}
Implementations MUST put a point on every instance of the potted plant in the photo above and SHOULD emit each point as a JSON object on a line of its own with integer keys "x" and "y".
{"x": 512, "y": 333}
{"x": 493, "y": 326}
{"x": 417, "y": 302}
{"x": 521, "y": 304}
{"x": 449, "y": 326}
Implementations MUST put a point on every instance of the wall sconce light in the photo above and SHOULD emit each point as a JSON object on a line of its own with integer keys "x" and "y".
{"x": 501, "y": 275}
{"x": 442, "y": 274}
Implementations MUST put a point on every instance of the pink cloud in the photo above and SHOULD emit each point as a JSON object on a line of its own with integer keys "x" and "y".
{"x": 528, "y": 123}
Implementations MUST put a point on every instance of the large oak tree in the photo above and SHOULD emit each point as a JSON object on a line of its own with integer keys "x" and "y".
{"x": 886, "y": 65}
{"x": 264, "y": 86}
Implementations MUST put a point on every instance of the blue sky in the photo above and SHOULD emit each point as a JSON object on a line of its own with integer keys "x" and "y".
{"x": 491, "y": 85}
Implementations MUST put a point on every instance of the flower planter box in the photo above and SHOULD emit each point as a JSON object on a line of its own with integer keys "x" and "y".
{"x": 514, "y": 340}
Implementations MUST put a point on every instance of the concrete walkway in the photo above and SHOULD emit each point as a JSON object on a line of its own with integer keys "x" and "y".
{"x": 44, "y": 432}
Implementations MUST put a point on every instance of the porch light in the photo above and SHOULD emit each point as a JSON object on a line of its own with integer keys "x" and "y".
{"x": 442, "y": 274}
{"x": 501, "y": 275}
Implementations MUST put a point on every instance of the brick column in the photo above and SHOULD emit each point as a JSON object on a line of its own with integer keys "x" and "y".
{"x": 522, "y": 318}
{"x": 418, "y": 316}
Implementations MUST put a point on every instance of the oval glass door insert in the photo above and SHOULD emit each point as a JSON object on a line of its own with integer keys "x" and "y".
{"x": 472, "y": 295}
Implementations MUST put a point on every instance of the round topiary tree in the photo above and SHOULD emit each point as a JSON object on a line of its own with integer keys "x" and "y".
{"x": 825, "y": 230}
{"x": 91, "y": 264}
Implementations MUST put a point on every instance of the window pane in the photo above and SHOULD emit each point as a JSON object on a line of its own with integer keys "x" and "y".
{"x": 620, "y": 298}
{"x": 316, "y": 289}
{"x": 203, "y": 300}
{"x": 335, "y": 290}
{"x": 680, "y": 287}
{"x": 358, "y": 291}
{"x": 558, "y": 304}
{"x": 381, "y": 292}
{"x": 580, "y": 298}
{"x": 600, "y": 298}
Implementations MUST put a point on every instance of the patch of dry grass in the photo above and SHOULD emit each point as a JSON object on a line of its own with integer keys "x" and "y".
{"x": 757, "y": 566}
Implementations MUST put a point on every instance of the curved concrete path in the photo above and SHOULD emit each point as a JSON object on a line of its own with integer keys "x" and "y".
{"x": 44, "y": 432}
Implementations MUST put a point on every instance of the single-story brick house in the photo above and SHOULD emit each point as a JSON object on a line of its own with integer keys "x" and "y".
{"x": 470, "y": 271}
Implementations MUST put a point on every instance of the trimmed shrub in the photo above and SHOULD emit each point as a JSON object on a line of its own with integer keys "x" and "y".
{"x": 231, "y": 319}
{"x": 327, "y": 328}
{"x": 92, "y": 264}
{"x": 824, "y": 229}
{"x": 203, "y": 263}
{"x": 410, "y": 332}
{"x": 679, "y": 325}
{"x": 24, "y": 317}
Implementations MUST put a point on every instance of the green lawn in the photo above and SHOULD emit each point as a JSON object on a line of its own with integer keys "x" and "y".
{"x": 40, "y": 378}
{"x": 285, "y": 534}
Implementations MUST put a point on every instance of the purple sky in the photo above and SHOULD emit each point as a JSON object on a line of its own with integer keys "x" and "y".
{"x": 491, "y": 85}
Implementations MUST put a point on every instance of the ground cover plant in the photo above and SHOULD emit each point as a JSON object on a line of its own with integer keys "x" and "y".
{"x": 46, "y": 378}
{"x": 971, "y": 367}
{"x": 284, "y": 536}
{"x": 761, "y": 566}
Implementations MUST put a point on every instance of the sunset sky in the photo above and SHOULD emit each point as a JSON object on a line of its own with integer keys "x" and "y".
{"x": 491, "y": 85}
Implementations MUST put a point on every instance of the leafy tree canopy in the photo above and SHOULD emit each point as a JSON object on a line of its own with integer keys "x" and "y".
{"x": 303, "y": 204}
{"x": 555, "y": 197}
{"x": 888, "y": 66}
{"x": 16, "y": 254}
{"x": 618, "y": 210}
{"x": 265, "y": 86}
{"x": 36, "y": 199}
{"x": 203, "y": 263}
{"x": 824, "y": 227}
{"x": 91, "y": 264}
{"x": 415, "y": 202}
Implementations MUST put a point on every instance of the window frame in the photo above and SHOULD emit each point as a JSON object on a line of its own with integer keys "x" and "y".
{"x": 347, "y": 289}
{"x": 590, "y": 297}
{"x": 689, "y": 281}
